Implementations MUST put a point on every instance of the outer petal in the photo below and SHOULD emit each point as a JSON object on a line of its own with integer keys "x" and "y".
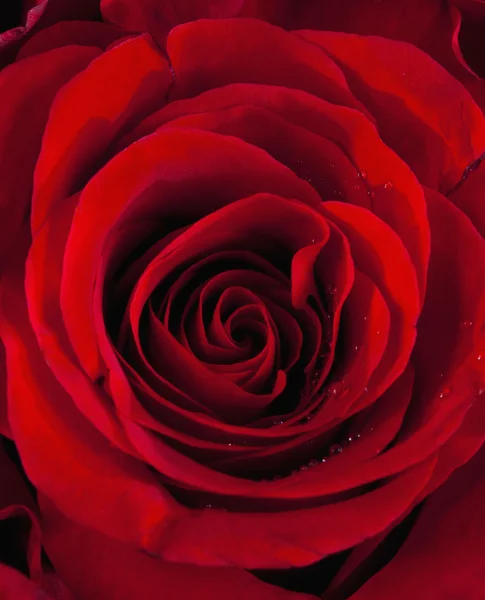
{"x": 403, "y": 90}
{"x": 97, "y": 567}
{"x": 37, "y": 14}
{"x": 83, "y": 121}
{"x": 218, "y": 61}
{"x": 159, "y": 17}
{"x": 27, "y": 90}
{"x": 443, "y": 556}
{"x": 61, "y": 452}
{"x": 71, "y": 33}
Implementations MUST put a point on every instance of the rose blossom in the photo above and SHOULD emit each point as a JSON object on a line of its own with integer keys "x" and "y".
{"x": 244, "y": 324}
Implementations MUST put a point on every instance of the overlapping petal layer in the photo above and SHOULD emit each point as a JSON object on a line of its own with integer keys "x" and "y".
{"x": 247, "y": 328}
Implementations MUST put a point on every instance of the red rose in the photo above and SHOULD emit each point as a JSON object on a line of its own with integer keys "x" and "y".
{"x": 244, "y": 331}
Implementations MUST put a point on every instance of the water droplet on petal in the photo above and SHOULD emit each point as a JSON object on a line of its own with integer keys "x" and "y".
{"x": 331, "y": 289}
{"x": 366, "y": 390}
{"x": 331, "y": 165}
{"x": 229, "y": 444}
{"x": 388, "y": 186}
{"x": 303, "y": 468}
{"x": 467, "y": 324}
{"x": 371, "y": 194}
{"x": 207, "y": 506}
{"x": 278, "y": 422}
{"x": 323, "y": 460}
{"x": 445, "y": 392}
{"x": 357, "y": 187}
{"x": 314, "y": 241}
{"x": 481, "y": 356}
{"x": 335, "y": 449}
{"x": 362, "y": 175}
{"x": 356, "y": 348}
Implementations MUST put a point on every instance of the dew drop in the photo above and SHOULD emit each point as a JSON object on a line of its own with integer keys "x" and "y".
{"x": 371, "y": 194}
{"x": 481, "y": 356}
{"x": 366, "y": 390}
{"x": 357, "y": 187}
{"x": 207, "y": 506}
{"x": 303, "y": 468}
{"x": 445, "y": 392}
{"x": 229, "y": 445}
{"x": 388, "y": 186}
{"x": 356, "y": 348}
{"x": 323, "y": 460}
{"x": 362, "y": 175}
{"x": 467, "y": 324}
{"x": 331, "y": 289}
{"x": 331, "y": 165}
{"x": 313, "y": 463}
{"x": 335, "y": 449}
{"x": 278, "y": 422}
{"x": 314, "y": 241}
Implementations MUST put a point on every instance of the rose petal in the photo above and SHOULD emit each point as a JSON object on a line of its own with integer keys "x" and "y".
{"x": 84, "y": 122}
{"x": 27, "y": 90}
{"x": 63, "y": 455}
{"x": 43, "y": 13}
{"x": 70, "y": 33}
{"x": 97, "y": 567}
{"x": 442, "y": 556}
{"x": 400, "y": 90}
{"x": 209, "y": 67}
